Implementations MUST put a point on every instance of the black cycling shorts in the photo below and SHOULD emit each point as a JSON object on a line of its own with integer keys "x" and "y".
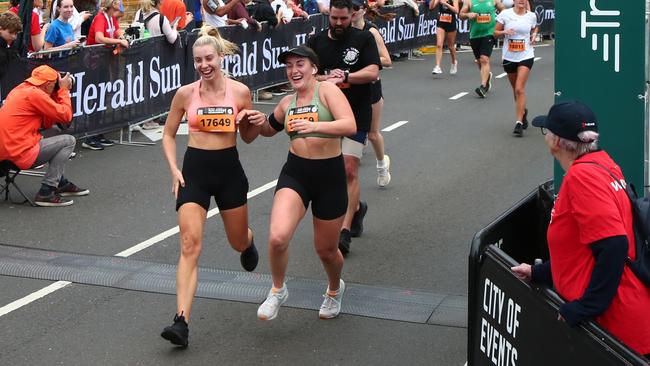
{"x": 375, "y": 92}
{"x": 319, "y": 181}
{"x": 511, "y": 67}
{"x": 482, "y": 46}
{"x": 213, "y": 173}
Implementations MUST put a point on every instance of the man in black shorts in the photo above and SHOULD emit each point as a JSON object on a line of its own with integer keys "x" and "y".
{"x": 349, "y": 58}
{"x": 482, "y": 20}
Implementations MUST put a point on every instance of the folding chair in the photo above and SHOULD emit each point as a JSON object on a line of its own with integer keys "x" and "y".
{"x": 9, "y": 170}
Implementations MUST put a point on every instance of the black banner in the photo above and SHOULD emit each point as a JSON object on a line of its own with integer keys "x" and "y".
{"x": 545, "y": 11}
{"x": 117, "y": 90}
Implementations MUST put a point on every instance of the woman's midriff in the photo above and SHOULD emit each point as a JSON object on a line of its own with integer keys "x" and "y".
{"x": 316, "y": 147}
{"x": 212, "y": 140}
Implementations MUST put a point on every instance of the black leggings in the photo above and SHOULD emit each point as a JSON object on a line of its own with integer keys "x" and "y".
{"x": 213, "y": 173}
{"x": 321, "y": 181}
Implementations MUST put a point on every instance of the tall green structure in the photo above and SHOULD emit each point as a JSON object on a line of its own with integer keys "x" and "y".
{"x": 601, "y": 58}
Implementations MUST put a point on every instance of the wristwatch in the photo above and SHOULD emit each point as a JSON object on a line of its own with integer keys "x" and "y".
{"x": 346, "y": 73}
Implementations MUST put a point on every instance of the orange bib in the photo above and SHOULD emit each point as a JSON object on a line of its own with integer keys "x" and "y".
{"x": 216, "y": 119}
{"x": 483, "y": 18}
{"x": 517, "y": 45}
{"x": 307, "y": 113}
{"x": 445, "y": 18}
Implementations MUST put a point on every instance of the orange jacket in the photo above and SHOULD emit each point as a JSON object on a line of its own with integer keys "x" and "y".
{"x": 172, "y": 9}
{"x": 26, "y": 110}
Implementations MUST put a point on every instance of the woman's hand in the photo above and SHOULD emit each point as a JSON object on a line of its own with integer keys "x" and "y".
{"x": 253, "y": 117}
{"x": 522, "y": 271}
{"x": 303, "y": 126}
{"x": 177, "y": 181}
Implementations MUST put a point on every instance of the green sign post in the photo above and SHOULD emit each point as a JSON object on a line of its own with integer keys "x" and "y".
{"x": 601, "y": 59}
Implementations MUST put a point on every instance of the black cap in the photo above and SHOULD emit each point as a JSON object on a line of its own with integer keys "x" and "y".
{"x": 303, "y": 51}
{"x": 359, "y": 3}
{"x": 568, "y": 119}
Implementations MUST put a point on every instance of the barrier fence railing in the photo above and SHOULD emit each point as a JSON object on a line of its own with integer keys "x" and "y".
{"x": 114, "y": 91}
{"x": 511, "y": 322}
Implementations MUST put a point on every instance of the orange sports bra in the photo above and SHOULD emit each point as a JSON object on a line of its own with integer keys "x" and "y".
{"x": 211, "y": 118}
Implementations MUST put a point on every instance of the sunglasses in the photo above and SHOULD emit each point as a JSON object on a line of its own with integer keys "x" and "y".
{"x": 356, "y": 7}
{"x": 544, "y": 130}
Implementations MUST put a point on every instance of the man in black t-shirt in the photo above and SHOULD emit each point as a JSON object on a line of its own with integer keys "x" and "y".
{"x": 349, "y": 58}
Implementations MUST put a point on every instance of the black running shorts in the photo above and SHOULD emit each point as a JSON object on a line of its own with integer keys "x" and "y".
{"x": 482, "y": 46}
{"x": 375, "y": 92}
{"x": 511, "y": 67}
{"x": 321, "y": 181}
{"x": 213, "y": 173}
{"x": 447, "y": 26}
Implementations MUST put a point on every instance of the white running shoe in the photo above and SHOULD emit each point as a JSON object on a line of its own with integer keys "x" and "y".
{"x": 454, "y": 68}
{"x": 436, "y": 70}
{"x": 270, "y": 307}
{"x": 383, "y": 173}
{"x": 332, "y": 304}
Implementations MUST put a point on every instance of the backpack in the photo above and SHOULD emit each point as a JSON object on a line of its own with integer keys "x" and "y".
{"x": 641, "y": 224}
{"x": 136, "y": 30}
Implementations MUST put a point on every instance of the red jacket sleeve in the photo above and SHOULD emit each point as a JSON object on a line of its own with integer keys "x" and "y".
{"x": 55, "y": 109}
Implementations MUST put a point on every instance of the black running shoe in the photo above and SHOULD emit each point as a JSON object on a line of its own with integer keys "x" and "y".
{"x": 249, "y": 257}
{"x": 177, "y": 333}
{"x": 344, "y": 242}
{"x": 481, "y": 91}
{"x": 356, "y": 227}
{"x": 519, "y": 129}
{"x": 525, "y": 119}
{"x": 104, "y": 141}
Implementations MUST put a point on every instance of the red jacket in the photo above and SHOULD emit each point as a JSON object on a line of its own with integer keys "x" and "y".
{"x": 26, "y": 110}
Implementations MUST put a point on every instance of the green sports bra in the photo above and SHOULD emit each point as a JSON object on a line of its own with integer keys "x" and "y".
{"x": 314, "y": 112}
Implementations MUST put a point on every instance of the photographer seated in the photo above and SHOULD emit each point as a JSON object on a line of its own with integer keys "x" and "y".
{"x": 40, "y": 102}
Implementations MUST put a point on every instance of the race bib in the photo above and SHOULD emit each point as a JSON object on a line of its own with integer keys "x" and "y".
{"x": 216, "y": 119}
{"x": 445, "y": 18}
{"x": 307, "y": 113}
{"x": 517, "y": 45}
{"x": 484, "y": 18}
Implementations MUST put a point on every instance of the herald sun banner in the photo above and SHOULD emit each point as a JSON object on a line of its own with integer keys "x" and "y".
{"x": 117, "y": 89}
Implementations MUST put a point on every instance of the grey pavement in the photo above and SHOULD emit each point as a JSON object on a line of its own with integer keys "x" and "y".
{"x": 455, "y": 167}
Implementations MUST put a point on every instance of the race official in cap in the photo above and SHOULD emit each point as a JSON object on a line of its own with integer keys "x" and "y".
{"x": 590, "y": 233}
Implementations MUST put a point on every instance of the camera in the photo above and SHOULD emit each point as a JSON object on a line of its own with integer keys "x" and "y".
{"x": 63, "y": 74}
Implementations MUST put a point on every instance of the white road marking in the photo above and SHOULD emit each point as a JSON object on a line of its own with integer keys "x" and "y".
{"x": 458, "y": 96}
{"x": 125, "y": 253}
{"x": 32, "y": 297}
{"x": 173, "y": 231}
{"x": 537, "y": 58}
{"x": 394, "y": 126}
{"x": 501, "y": 75}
